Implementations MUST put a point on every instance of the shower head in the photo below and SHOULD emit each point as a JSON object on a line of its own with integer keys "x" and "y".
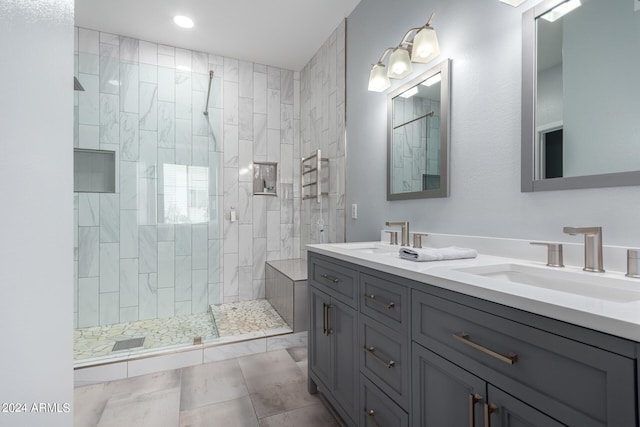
{"x": 77, "y": 85}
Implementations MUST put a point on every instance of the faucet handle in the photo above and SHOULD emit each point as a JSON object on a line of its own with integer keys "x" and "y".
{"x": 417, "y": 239}
{"x": 393, "y": 236}
{"x": 554, "y": 253}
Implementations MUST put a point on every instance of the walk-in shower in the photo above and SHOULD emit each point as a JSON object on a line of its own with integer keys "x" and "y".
{"x": 158, "y": 263}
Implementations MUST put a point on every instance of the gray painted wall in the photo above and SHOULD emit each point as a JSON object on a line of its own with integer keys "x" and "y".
{"x": 483, "y": 38}
{"x": 36, "y": 247}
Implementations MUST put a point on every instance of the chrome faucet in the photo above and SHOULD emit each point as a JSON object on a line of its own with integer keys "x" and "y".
{"x": 592, "y": 246}
{"x": 405, "y": 230}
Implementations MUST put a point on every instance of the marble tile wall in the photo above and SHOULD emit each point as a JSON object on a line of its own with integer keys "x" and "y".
{"x": 136, "y": 255}
{"x": 418, "y": 150}
{"x": 322, "y": 126}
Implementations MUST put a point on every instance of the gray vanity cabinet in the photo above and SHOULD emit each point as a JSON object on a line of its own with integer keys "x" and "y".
{"x": 378, "y": 409}
{"x": 333, "y": 361}
{"x": 445, "y": 394}
{"x": 388, "y": 351}
{"x": 570, "y": 381}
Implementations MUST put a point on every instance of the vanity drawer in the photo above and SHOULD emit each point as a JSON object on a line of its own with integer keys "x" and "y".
{"x": 384, "y": 358}
{"x": 385, "y": 301}
{"x": 335, "y": 279}
{"x": 378, "y": 409}
{"x": 576, "y": 383}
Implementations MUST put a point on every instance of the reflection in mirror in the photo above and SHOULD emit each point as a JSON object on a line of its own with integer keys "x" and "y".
{"x": 581, "y": 95}
{"x": 418, "y": 137}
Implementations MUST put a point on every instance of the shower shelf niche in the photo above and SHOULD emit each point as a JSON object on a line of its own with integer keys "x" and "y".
{"x": 311, "y": 176}
{"x": 265, "y": 178}
{"x": 94, "y": 171}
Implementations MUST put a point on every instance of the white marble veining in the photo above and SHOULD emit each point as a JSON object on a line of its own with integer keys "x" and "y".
{"x": 166, "y": 264}
{"x": 141, "y": 103}
{"x": 88, "y": 252}
{"x": 128, "y": 282}
{"x": 620, "y": 318}
{"x": 128, "y": 233}
{"x": 109, "y": 267}
{"x": 183, "y": 278}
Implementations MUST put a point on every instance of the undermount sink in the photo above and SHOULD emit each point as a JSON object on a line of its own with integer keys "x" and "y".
{"x": 369, "y": 247}
{"x": 593, "y": 285}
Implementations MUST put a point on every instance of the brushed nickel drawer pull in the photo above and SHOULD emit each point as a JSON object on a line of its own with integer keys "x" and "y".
{"x": 330, "y": 278}
{"x": 373, "y": 299}
{"x": 371, "y": 414}
{"x": 488, "y": 410}
{"x": 325, "y": 319}
{"x": 473, "y": 400}
{"x": 510, "y": 358}
{"x": 371, "y": 351}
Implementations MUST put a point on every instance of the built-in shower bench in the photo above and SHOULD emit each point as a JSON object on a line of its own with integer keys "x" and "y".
{"x": 286, "y": 290}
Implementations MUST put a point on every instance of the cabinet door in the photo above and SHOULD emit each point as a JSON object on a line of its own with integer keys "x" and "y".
{"x": 342, "y": 330}
{"x": 503, "y": 410}
{"x": 319, "y": 339}
{"x": 444, "y": 394}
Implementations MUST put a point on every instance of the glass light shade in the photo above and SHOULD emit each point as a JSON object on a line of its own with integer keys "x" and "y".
{"x": 425, "y": 46}
{"x": 378, "y": 80}
{"x": 399, "y": 64}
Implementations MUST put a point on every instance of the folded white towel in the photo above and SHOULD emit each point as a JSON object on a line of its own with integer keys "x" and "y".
{"x": 437, "y": 254}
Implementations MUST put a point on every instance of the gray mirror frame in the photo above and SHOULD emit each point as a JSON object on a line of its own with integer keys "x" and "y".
{"x": 528, "y": 181}
{"x": 443, "y": 68}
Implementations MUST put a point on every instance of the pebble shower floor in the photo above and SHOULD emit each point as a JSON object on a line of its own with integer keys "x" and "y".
{"x": 231, "y": 319}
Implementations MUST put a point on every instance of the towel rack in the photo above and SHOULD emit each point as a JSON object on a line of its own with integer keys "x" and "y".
{"x": 310, "y": 176}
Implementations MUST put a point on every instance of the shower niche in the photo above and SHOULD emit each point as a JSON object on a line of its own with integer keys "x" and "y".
{"x": 265, "y": 178}
{"x": 94, "y": 171}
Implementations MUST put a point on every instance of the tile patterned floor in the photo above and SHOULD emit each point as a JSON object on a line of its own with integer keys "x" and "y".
{"x": 262, "y": 390}
{"x": 242, "y": 317}
{"x": 231, "y": 319}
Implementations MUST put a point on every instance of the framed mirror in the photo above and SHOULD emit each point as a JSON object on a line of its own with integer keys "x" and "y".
{"x": 580, "y": 95}
{"x": 418, "y": 136}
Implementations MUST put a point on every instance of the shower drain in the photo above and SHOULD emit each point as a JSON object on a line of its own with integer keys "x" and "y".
{"x": 127, "y": 344}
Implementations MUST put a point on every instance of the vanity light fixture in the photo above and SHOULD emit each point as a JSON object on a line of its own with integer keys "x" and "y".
{"x": 560, "y": 10}
{"x": 399, "y": 64}
{"x": 423, "y": 48}
{"x": 514, "y": 3}
{"x": 378, "y": 79}
{"x": 183, "y": 21}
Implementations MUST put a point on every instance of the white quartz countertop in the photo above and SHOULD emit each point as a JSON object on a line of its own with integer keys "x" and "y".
{"x": 619, "y": 316}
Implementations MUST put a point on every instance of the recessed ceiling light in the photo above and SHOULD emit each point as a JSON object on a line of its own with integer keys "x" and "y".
{"x": 183, "y": 21}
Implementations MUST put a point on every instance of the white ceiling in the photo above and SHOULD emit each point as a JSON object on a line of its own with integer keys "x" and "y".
{"x": 280, "y": 33}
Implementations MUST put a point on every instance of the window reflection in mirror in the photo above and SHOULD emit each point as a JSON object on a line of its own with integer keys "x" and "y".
{"x": 418, "y": 137}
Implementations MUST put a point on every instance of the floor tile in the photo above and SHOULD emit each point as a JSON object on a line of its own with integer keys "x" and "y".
{"x": 155, "y": 409}
{"x": 238, "y": 412}
{"x": 315, "y": 415}
{"x": 211, "y": 383}
{"x": 282, "y": 398}
{"x": 147, "y": 383}
{"x": 89, "y": 403}
{"x": 298, "y": 353}
{"x": 269, "y": 369}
